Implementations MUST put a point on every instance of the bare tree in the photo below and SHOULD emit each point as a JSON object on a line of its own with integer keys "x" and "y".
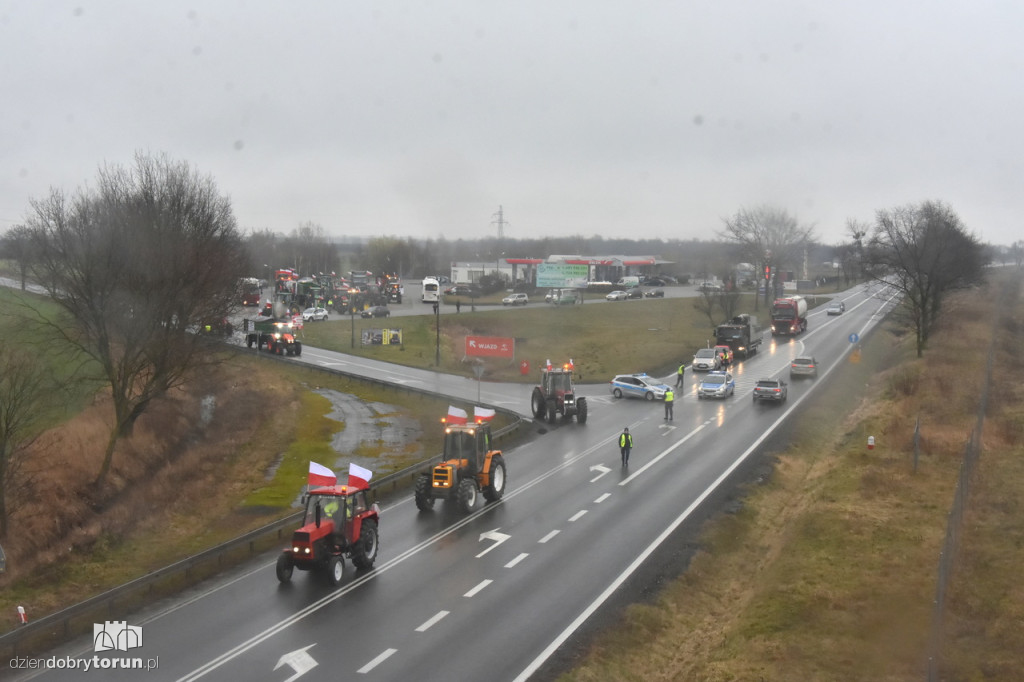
{"x": 139, "y": 264}
{"x": 25, "y": 394}
{"x": 768, "y": 237}
{"x": 924, "y": 251}
{"x": 17, "y": 246}
{"x": 1017, "y": 252}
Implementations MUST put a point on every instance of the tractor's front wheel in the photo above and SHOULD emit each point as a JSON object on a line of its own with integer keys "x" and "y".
{"x": 284, "y": 568}
{"x": 537, "y": 404}
{"x": 365, "y": 551}
{"x": 335, "y": 570}
{"x": 581, "y": 410}
{"x": 496, "y": 488}
{"x": 467, "y": 495}
{"x": 552, "y": 413}
{"x": 424, "y": 500}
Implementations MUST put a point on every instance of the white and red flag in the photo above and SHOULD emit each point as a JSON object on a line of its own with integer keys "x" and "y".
{"x": 319, "y": 475}
{"x": 482, "y": 414}
{"x": 456, "y": 416}
{"x": 358, "y": 477}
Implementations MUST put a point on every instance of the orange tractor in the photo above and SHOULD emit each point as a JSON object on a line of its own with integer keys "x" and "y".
{"x": 338, "y": 523}
{"x": 469, "y": 466}
{"x": 557, "y": 395}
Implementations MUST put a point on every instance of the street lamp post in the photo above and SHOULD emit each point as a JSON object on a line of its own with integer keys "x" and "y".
{"x": 352, "y": 315}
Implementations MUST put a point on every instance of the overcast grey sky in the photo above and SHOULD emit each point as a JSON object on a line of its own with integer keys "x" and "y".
{"x": 623, "y": 119}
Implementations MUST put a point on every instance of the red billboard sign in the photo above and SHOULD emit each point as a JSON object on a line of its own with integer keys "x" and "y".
{"x": 491, "y": 346}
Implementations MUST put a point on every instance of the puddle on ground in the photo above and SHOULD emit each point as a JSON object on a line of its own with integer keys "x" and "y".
{"x": 378, "y": 425}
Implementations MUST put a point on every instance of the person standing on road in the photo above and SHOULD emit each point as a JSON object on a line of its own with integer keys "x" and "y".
{"x": 679, "y": 374}
{"x": 670, "y": 401}
{"x": 625, "y": 445}
{"x": 458, "y": 306}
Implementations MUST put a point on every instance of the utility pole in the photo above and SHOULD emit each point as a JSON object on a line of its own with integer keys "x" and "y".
{"x": 500, "y": 222}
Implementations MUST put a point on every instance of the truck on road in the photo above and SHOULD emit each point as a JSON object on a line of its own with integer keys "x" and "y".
{"x": 789, "y": 316}
{"x": 277, "y": 334}
{"x": 741, "y": 334}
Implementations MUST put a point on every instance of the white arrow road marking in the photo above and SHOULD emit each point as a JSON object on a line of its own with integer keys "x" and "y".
{"x": 492, "y": 535}
{"x": 599, "y": 467}
{"x": 668, "y": 429}
{"x": 299, "y": 661}
{"x": 384, "y": 655}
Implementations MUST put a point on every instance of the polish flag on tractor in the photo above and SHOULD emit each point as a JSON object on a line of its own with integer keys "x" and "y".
{"x": 482, "y": 414}
{"x": 319, "y": 476}
{"x": 456, "y": 416}
{"x": 358, "y": 477}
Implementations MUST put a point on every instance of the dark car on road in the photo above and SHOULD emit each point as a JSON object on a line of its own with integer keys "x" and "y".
{"x": 773, "y": 390}
{"x": 655, "y": 293}
{"x": 376, "y": 311}
{"x": 804, "y": 366}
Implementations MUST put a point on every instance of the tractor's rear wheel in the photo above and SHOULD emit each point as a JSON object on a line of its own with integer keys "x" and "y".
{"x": 284, "y": 568}
{"x": 365, "y": 551}
{"x": 537, "y": 403}
{"x": 335, "y": 570}
{"x": 496, "y": 488}
{"x": 424, "y": 500}
{"x": 581, "y": 410}
{"x": 467, "y": 495}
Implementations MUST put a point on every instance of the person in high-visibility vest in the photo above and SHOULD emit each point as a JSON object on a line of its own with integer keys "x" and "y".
{"x": 625, "y": 445}
{"x": 670, "y": 401}
{"x": 679, "y": 374}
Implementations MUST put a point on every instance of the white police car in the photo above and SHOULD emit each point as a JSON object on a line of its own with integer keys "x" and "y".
{"x": 638, "y": 386}
{"x": 716, "y": 385}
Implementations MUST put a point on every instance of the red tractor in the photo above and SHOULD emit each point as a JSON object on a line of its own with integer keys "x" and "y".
{"x": 338, "y": 523}
{"x": 556, "y": 395}
{"x": 469, "y": 466}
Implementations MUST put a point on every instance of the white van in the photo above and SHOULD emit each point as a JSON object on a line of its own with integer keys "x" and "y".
{"x": 628, "y": 282}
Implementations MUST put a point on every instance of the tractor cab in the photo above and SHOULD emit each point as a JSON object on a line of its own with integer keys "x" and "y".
{"x": 338, "y": 506}
{"x": 557, "y": 381}
{"x": 466, "y": 446}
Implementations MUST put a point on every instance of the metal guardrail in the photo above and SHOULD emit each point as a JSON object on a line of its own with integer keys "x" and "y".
{"x": 119, "y": 602}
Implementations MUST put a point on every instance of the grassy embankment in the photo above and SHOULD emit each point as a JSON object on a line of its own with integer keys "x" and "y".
{"x": 829, "y": 570}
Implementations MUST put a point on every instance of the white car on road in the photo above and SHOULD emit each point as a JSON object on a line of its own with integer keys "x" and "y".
{"x": 314, "y": 314}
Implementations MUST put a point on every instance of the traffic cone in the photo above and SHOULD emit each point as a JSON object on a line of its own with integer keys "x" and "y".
{"x": 22, "y": 616}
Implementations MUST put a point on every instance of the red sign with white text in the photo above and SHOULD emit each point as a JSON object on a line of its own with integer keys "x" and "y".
{"x": 491, "y": 346}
